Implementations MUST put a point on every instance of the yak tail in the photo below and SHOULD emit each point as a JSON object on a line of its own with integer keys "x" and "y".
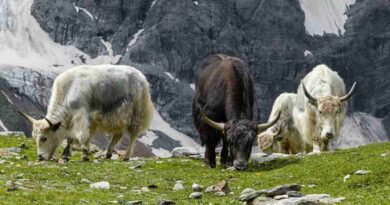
{"x": 143, "y": 113}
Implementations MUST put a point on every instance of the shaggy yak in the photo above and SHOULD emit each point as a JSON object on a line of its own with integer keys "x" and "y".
{"x": 222, "y": 109}
{"x": 89, "y": 99}
{"x": 311, "y": 118}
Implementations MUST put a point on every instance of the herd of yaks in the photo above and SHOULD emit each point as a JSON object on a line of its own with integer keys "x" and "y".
{"x": 114, "y": 99}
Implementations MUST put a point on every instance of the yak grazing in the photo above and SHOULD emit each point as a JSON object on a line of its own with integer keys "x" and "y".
{"x": 89, "y": 99}
{"x": 222, "y": 109}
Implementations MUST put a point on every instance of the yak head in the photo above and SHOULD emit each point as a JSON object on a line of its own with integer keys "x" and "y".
{"x": 239, "y": 135}
{"x": 328, "y": 112}
{"x": 46, "y": 134}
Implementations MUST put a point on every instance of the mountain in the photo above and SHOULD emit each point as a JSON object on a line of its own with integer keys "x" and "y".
{"x": 168, "y": 39}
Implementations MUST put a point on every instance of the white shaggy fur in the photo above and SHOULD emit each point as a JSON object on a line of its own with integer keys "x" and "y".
{"x": 302, "y": 124}
{"x": 90, "y": 99}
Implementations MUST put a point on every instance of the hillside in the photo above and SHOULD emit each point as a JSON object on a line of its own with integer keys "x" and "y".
{"x": 25, "y": 181}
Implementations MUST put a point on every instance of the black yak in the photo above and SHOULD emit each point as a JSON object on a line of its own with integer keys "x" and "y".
{"x": 222, "y": 109}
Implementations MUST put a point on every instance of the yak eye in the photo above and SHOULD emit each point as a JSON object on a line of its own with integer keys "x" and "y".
{"x": 320, "y": 112}
{"x": 43, "y": 139}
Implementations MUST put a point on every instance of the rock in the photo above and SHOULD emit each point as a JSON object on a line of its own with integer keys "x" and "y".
{"x": 252, "y": 195}
{"x": 11, "y": 134}
{"x": 232, "y": 168}
{"x": 247, "y": 191}
{"x": 196, "y": 187}
{"x": 220, "y": 193}
{"x": 100, "y": 185}
{"x": 384, "y": 154}
{"x": 261, "y": 158}
{"x": 145, "y": 189}
{"x": 362, "y": 172}
{"x": 294, "y": 194}
{"x": 311, "y": 185}
{"x": 86, "y": 181}
{"x": 346, "y": 177}
{"x": 222, "y": 186}
{"x": 209, "y": 189}
{"x": 11, "y": 185}
{"x": 279, "y": 197}
{"x": 195, "y": 195}
{"x": 281, "y": 190}
{"x": 165, "y": 202}
{"x": 2, "y": 161}
{"x": 178, "y": 186}
{"x": 138, "y": 202}
{"x": 185, "y": 151}
{"x": 14, "y": 149}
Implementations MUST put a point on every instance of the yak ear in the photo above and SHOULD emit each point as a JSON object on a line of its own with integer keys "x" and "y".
{"x": 52, "y": 126}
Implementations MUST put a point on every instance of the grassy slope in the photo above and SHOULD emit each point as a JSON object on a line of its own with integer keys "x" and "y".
{"x": 326, "y": 171}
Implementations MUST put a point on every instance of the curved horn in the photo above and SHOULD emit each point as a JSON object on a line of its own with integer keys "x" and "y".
{"x": 311, "y": 99}
{"x": 347, "y": 96}
{"x": 261, "y": 127}
{"x": 217, "y": 125}
{"x": 28, "y": 117}
{"x": 53, "y": 126}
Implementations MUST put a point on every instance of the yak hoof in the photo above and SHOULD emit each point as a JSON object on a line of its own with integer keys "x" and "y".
{"x": 108, "y": 156}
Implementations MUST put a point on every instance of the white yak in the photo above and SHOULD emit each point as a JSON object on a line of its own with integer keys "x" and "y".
{"x": 86, "y": 100}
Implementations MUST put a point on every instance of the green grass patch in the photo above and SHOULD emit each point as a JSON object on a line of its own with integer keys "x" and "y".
{"x": 52, "y": 183}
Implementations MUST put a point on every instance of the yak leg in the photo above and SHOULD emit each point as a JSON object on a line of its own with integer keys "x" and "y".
{"x": 66, "y": 154}
{"x": 111, "y": 145}
{"x": 130, "y": 149}
{"x": 210, "y": 151}
{"x": 226, "y": 159}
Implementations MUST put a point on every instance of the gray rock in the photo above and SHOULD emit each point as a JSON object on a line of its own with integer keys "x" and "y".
{"x": 137, "y": 202}
{"x": 281, "y": 190}
{"x": 14, "y": 149}
{"x": 362, "y": 172}
{"x": 185, "y": 151}
{"x": 252, "y": 195}
{"x": 196, "y": 187}
{"x": 312, "y": 186}
{"x": 294, "y": 194}
{"x": 247, "y": 191}
{"x": 209, "y": 189}
{"x": 195, "y": 195}
{"x": 261, "y": 158}
{"x": 165, "y": 202}
{"x": 220, "y": 193}
{"x": 145, "y": 189}
{"x": 279, "y": 197}
{"x": 178, "y": 186}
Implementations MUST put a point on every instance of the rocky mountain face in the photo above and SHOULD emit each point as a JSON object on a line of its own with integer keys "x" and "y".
{"x": 168, "y": 39}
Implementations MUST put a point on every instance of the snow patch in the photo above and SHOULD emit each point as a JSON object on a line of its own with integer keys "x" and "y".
{"x": 135, "y": 38}
{"x": 23, "y": 42}
{"x": 360, "y": 129}
{"x": 3, "y": 126}
{"x": 307, "y": 53}
{"x": 192, "y": 85}
{"x": 153, "y": 3}
{"x": 171, "y": 76}
{"x": 85, "y": 10}
{"x": 325, "y": 15}
{"x": 196, "y": 3}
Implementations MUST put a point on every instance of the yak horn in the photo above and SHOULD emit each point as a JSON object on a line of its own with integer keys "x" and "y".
{"x": 347, "y": 96}
{"x": 261, "y": 127}
{"x": 217, "y": 125}
{"x": 28, "y": 117}
{"x": 311, "y": 99}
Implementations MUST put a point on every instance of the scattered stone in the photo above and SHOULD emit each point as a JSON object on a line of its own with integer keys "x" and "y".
{"x": 122, "y": 187}
{"x": 23, "y": 146}
{"x": 137, "y": 165}
{"x": 247, "y": 191}
{"x": 281, "y": 190}
{"x": 384, "y": 154}
{"x": 222, "y": 186}
{"x": 145, "y": 189}
{"x": 96, "y": 161}
{"x": 362, "y": 172}
{"x": 260, "y": 158}
{"x": 279, "y": 197}
{"x": 295, "y": 194}
{"x": 196, "y": 156}
{"x": 311, "y": 185}
{"x": 11, "y": 185}
{"x": 231, "y": 168}
{"x": 2, "y": 161}
{"x": 165, "y": 202}
{"x": 14, "y": 149}
{"x": 196, "y": 187}
{"x": 220, "y": 193}
{"x": 86, "y": 181}
{"x": 195, "y": 195}
{"x": 100, "y": 185}
{"x": 133, "y": 203}
{"x": 178, "y": 186}
{"x": 115, "y": 157}
{"x": 209, "y": 189}
{"x": 12, "y": 134}
{"x": 252, "y": 195}
{"x": 346, "y": 177}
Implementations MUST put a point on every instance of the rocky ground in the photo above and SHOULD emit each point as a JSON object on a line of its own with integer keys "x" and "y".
{"x": 354, "y": 176}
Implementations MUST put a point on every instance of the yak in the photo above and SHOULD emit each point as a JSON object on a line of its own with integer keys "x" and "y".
{"x": 222, "y": 109}
{"x": 93, "y": 99}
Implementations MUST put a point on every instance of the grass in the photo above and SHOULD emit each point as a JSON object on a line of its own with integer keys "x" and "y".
{"x": 52, "y": 183}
